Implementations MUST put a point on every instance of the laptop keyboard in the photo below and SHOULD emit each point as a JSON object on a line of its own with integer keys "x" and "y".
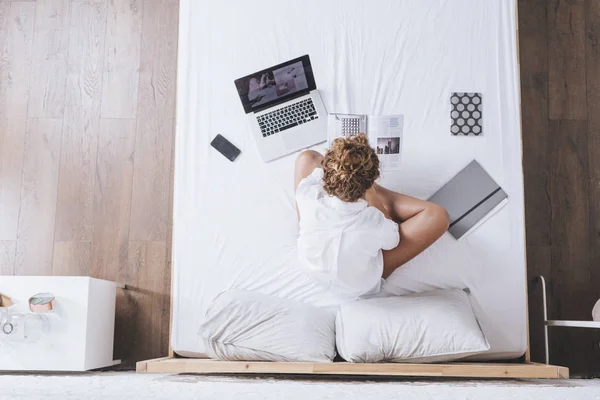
{"x": 287, "y": 117}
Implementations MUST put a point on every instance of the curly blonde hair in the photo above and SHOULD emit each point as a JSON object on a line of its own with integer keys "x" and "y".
{"x": 350, "y": 168}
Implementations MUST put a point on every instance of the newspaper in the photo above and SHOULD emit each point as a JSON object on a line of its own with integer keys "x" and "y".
{"x": 384, "y": 133}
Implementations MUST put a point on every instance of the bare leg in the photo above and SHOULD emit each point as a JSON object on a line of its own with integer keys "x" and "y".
{"x": 306, "y": 163}
{"x": 421, "y": 223}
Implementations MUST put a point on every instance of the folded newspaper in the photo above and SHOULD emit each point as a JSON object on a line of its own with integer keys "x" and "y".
{"x": 384, "y": 133}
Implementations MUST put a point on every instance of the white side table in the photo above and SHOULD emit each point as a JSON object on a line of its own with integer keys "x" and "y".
{"x": 81, "y": 327}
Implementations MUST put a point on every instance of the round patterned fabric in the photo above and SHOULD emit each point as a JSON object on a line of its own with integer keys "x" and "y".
{"x": 466, "y": 107}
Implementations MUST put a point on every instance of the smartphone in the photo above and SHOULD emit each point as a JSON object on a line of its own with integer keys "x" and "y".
{"x": 225, "y": 147}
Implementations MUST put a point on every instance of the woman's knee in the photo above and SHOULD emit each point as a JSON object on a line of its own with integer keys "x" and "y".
{"x": 308, "y": 159}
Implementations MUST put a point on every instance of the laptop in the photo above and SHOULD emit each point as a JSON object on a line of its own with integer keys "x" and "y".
{"x": 284, "y": 108}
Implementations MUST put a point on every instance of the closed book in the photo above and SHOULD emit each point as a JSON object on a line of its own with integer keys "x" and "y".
{"x": 470, "y": 197}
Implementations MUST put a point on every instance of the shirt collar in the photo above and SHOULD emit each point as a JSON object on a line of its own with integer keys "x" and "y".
{"x": 335, "y": 202}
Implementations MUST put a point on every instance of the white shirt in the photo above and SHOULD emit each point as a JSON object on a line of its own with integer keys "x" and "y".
{"x": 341, "y": 243}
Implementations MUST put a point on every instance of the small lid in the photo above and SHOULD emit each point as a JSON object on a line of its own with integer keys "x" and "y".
{"x": 5, "y": 301}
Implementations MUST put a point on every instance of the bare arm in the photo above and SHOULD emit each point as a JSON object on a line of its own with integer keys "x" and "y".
{"x": 421, "y": 223}
{"x": 375, "y": 201}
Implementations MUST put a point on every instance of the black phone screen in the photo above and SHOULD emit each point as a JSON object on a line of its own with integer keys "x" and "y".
{"x": 225, "y": 147}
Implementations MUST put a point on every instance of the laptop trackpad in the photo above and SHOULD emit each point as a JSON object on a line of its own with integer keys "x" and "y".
{"x": 296, "y": 139}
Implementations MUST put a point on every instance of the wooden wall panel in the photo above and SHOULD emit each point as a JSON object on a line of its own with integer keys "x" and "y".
{"x": 534, "y": 93}
{"x": 38, "y": 197}
{"x": 121, "y": 69}
{"x": 153, "y": 290}
{"x": 560, "y": 82}
{"x": 156, "y": 108}
{"x": 16, "y": 39}
{"x": 571, "y": 294}
{"x": 112, "y": 204}
{"x": 12, "y": 148}
{"x": 593, "y": 101}
{"x": 16, "y": 36}
{"x": 566, "y": 59}
{"x": 49, "y": 59}
{"x": 7, "y": 257}
{"x": 71, "y": 258}
{"x": 80, "y": 123}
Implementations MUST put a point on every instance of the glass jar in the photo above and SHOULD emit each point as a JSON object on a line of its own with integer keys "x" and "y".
{"x": 20, "y": 327}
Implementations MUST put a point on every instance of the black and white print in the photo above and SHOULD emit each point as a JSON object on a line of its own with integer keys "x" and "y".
{"x": 466, "y": 114}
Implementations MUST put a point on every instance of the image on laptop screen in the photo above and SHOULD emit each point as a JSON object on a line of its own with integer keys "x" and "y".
{"x": 274, "y": 84}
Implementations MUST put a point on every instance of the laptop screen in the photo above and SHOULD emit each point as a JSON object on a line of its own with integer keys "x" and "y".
{"x": 276, "y": 85}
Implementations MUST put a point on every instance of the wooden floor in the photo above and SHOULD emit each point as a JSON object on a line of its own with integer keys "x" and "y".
{"x": 87, "y": 99}
{"x": 87, "y": 95}
{"x": 560, "y": 79}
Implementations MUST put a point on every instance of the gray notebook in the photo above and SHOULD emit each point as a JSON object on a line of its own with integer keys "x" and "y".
{"x": 469, "y": 197}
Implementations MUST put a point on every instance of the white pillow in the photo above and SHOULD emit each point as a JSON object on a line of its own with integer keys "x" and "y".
{"x": 250, "y": 326}
{"x": 433, "y": 326}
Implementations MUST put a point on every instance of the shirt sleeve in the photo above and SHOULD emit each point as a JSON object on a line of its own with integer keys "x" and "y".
{"x": 390, "y": 236}
{"x": 314, "y": 180}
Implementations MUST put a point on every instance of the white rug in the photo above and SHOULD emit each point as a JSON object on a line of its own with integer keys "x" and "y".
{"x": 128, "y": 385}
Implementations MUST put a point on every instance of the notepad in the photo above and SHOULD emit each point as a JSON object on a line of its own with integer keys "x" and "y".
{"x": 470, "y": 198}
{"x": 466, "y": 113}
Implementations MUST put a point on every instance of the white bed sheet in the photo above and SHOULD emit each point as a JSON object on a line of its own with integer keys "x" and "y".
{"x": 235, "y": 223}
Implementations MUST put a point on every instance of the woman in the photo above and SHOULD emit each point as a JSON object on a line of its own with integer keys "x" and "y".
{"x": 354, "y": 232}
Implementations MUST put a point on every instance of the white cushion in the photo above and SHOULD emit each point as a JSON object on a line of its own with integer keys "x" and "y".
{"x": 243, "y": 325}
{"x": 433, "y": 326}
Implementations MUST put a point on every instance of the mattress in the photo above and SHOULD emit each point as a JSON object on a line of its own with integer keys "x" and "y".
{"x": 235, "y": 222}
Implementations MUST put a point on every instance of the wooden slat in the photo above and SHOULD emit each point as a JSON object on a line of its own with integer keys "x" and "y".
{"x": 71, "y": 258}
{"x": 49, "y": 59}
{"x": 112, "y": 203}
{"x": 156, "y": 100}
{"x": 143, "y": 310}
{"x": 480, "y": 370}
{"x": 566, "y": 59}
{"x": 80, "y": 125}
{"x": 7, "y": 257}
{"x": 534, "y": 100}
{"x": 38, "y": 197}
{"x": 571, "y": 285}
{"x": 121, "y": 69}
{"x": 16, "y": 40}
{"x": 112, "y": 196}
{"x": 7, "y": 195}
{"x": 16, "y": 36}
{"x": 592, "y": 51}
{"x": 128, "y": 330}
{"x": 151, "y": 299}
{"x": 12, "y": 149}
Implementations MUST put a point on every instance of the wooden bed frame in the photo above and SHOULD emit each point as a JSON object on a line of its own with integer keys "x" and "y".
{"x": 451, "y": 370}
{"x": 522, "y": 369}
